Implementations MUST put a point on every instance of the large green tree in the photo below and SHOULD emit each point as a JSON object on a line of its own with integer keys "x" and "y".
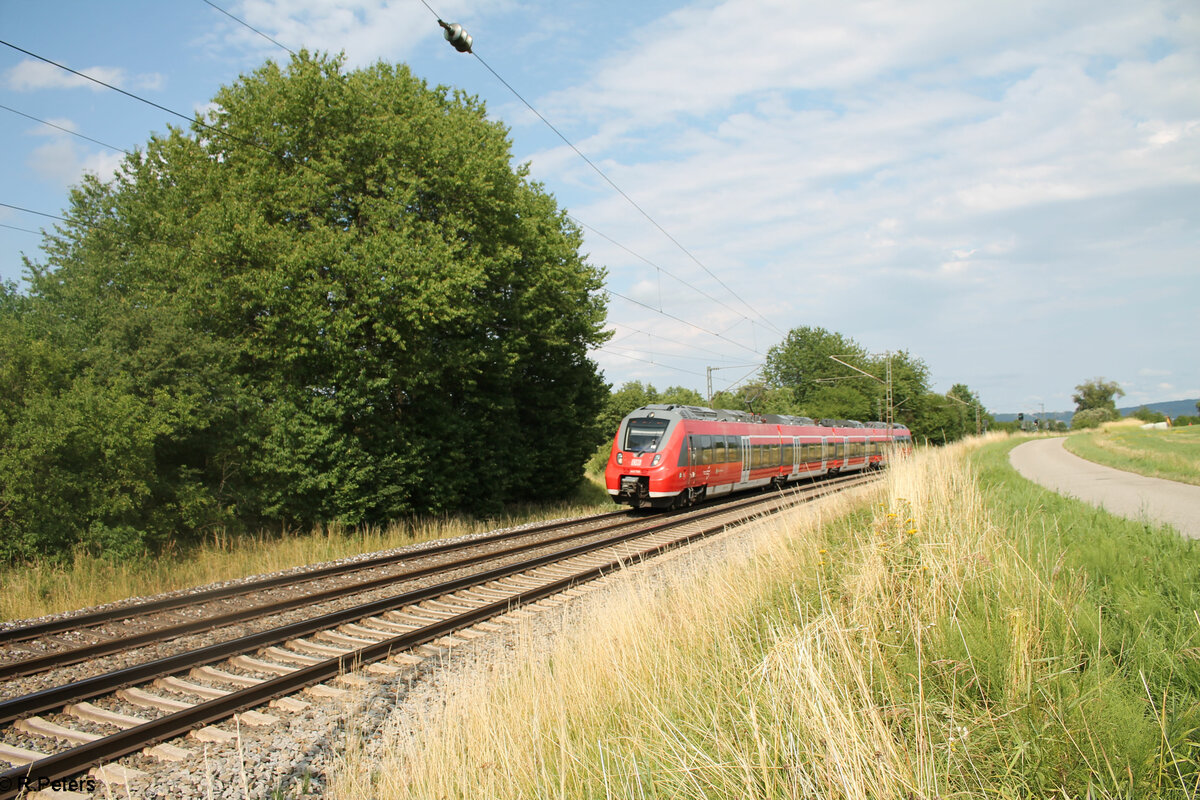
{"x": 332, "y": 298}
{"x": 1097, "y": 393}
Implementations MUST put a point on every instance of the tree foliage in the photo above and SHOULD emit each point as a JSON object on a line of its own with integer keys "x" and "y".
{"x": 335, "y": 300}
{"x": 821, "y": 387}
{"x": 1097, "y": 393}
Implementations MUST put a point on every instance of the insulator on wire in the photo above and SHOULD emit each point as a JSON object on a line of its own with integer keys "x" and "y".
{"x": 457, "y": 36}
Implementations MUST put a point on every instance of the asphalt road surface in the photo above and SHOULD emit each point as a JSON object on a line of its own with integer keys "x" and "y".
{"x": 1047, "y": 462}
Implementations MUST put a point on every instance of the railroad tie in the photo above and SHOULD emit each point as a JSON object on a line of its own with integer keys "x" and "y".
{"x": 147, "y": 700}
{"x": 212, "y": 735}
{"x": 449, "y": 608}
{"x": 257, "y": 719}
{"x": 327, "y": 650}
{"x": 102, "y": 715}
{"x": 19, "y": 755}
{"x": 168, "y": 752}
{"x": 220, "y": 676}
{"x": 392, "y": 627}
{"x": 280, "y": 654}
{"x": 324, "y": 692}
{"x": 291, "y": 704}
{"x": 361, "y": 630}
{"x": 353, "y": 642}
{"x": 258, "y": 665}
{"x": 43, "y": 727}
{"x": 178, "y": 685}
{"x": 115, "y": 774}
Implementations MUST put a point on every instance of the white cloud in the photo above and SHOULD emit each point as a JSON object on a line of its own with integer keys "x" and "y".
{"x": 1003, "y": 169}
{"x": 30, "y": 75}
{"x": 62, "y": 161}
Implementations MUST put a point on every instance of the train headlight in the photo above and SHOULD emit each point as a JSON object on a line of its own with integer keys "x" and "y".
{"x": 620, "y": 457}
{"x": 657, "y": 459}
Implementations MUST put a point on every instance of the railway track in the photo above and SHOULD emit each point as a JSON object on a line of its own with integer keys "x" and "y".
{"x": 32, "y": 649}
{"x": 64, "y": 730}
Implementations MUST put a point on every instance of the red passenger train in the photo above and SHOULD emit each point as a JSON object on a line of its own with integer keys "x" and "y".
{"x": 673, "y": 455}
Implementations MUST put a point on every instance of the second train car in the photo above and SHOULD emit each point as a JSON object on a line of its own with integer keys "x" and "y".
{"x": 675, "y": 455}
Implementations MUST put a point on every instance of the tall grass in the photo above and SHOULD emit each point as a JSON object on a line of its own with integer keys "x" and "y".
{"x": 957, "y": 633}
{"x": 32, "y": 590}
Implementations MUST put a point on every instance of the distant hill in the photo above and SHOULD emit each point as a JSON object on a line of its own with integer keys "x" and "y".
{"x": 1172, "y": 408}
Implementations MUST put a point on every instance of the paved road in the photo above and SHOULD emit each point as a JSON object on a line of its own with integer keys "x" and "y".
{"x": 1047, "y": 462}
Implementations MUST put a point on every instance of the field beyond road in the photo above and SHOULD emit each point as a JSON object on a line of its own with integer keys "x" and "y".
{"x": 958, "y": 631}
{"x": 1173, "y": 454}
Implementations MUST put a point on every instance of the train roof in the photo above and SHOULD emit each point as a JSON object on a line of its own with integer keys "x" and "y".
{"x": 729, "y": 415}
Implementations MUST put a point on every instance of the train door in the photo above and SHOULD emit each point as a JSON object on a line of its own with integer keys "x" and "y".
{"x": 693, "y": 448}
{"x": 745, "y": 459}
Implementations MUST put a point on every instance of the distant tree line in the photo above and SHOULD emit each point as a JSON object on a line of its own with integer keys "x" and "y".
{"x": 801, "y": 379}
{"x": 332, "y": 299}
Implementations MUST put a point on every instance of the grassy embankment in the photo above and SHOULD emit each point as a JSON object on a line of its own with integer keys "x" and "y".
{"x": 43, "y": 588}
{"x": 1173, "y": 454}
{"x": 960, "y": 633}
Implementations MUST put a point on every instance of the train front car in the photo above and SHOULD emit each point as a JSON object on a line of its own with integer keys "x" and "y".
{"x": 643, "y": 467}
{"x": 676, "y": 455}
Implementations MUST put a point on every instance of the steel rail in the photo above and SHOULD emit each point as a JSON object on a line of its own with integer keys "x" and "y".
{"x": 86, "y": 688}
{"x": 75, "y": 760}
{"x": 74, "y": 655}
{"x": 59, "y": 624}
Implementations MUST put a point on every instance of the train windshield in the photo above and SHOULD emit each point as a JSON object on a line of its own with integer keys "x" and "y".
{"x": 645, "y": 434}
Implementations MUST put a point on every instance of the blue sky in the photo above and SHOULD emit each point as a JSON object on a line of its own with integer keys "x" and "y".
{"x": 1010, "y": 191}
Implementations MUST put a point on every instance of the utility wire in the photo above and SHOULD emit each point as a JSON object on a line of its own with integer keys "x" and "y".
{"x": 23, "y": 230}
{"x": 67, "y": 130}
{"x": 192, "y": 120}
{"x": 575, "y": 219}
{"x": 251, "y": 27}
{"x": 645, "y": 260}
{"x": 621, "y": 192}
{"x": 610, "y": 181}
{"x": 680, "y": 319}
{"x": 648, "y": 361}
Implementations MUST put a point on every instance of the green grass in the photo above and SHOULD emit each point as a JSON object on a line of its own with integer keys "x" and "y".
{"x": 960, "y": 633}
{"x": 1115, "y": 667}
{"x": 1173, "y": 454}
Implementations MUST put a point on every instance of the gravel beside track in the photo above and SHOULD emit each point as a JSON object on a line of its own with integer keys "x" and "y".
{"x": 278, "y": 753}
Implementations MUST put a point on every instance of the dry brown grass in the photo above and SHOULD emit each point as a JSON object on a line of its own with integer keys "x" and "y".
{"x": 37, "y": 589}
{"x": 764, "y": 675}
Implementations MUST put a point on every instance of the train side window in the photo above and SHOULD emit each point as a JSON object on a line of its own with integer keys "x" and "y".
{"x": 735, "y": 449}
{"x": 774, "y": 462}
{"x": 706, "y": 449}
{"x": 718, "y": 449}
{"x": 788, "y": 458}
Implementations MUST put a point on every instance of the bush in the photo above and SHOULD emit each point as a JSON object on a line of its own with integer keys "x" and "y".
{"x": 1146, "y": 415}
{"x": 1092, "y": 418}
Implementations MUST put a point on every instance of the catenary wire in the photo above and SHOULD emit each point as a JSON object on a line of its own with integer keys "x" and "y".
{"x": 66, "y": 130}
{"x": 575, "y": 219}
{"x": 260, "y": 147}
